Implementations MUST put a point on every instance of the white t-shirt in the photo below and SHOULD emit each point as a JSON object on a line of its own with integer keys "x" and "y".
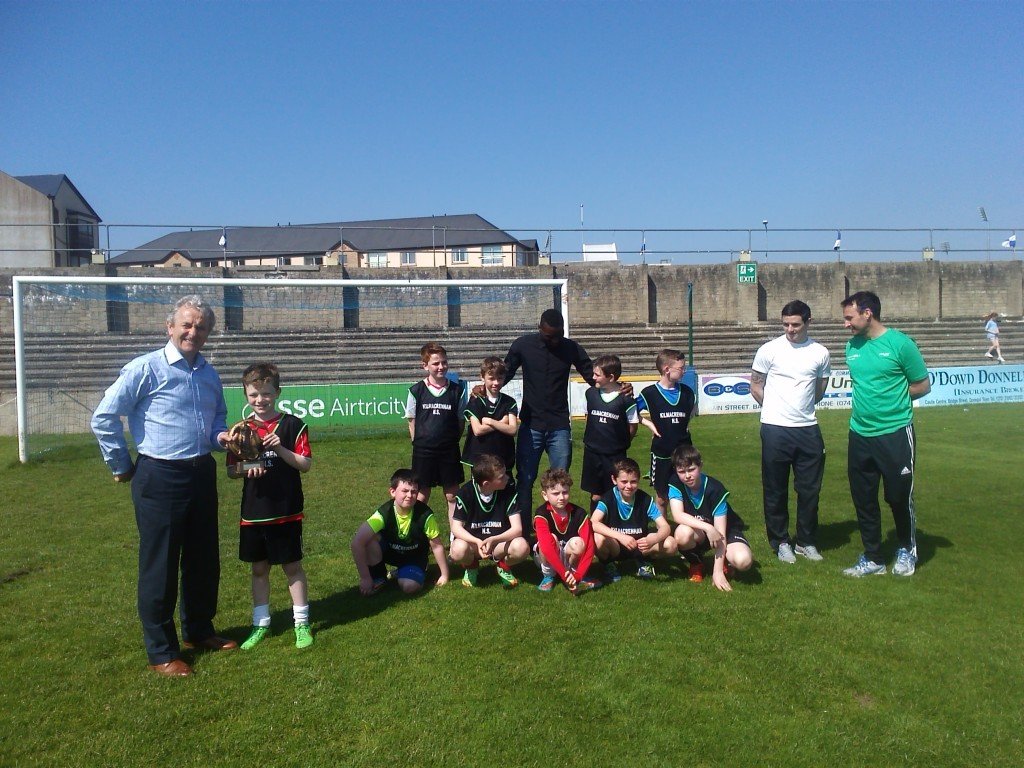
{"x": 792, "y": 371}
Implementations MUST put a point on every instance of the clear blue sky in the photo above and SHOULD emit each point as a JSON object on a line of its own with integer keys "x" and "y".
{"x": 651, "y": 114}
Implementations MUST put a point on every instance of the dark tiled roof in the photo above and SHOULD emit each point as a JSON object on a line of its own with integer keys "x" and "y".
{"x": 49, "y": 185}
{"x": 314, "y": 239}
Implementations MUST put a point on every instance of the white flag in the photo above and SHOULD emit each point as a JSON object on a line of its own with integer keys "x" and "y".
{"x": 1012, "y": 242}
{"x": 839, "y": 241}
{"x": 223, "y": 240}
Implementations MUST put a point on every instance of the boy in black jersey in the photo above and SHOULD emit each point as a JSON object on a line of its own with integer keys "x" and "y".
{"x": 487, "y": 523}
{"x": 669, "y": 404}
{"x": 565, "y": 538}
{"x": 493, "y": 418}
{"x": 434, "y": 410}
{"x": 621, "y": 525}
{"x": 611, "y": 424}
{"x": 705, "y": 518}
{"x": 272, "y": 502}
{"x": 399, "y": 533}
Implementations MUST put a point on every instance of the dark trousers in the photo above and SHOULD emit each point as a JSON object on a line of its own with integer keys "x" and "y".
{"x": 802, "y": 449}
{"x": 889, "y": 458}
{"x": 176, "y": 512}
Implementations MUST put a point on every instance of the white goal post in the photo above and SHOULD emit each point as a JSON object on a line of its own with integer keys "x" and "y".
{"x": 69, "y": 331}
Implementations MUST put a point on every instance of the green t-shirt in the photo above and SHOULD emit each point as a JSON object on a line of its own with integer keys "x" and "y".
{"x": 430, "y": 526}
{"x": 881, "y": 370}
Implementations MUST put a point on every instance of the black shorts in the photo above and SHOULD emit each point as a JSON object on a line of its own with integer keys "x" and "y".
{"x": 278, "y": 544}
{"x": 733, "y": 533}
{"x": 661, "y": 472}
{"x": 442, "y": 468}
{"x": 598, "y": 469}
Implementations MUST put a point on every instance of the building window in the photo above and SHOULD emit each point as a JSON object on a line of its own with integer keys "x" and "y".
{"x": 313, "y": 261}
{"x": 491, "y": 256}
{"x": 408, "y": 258}
{"x": 377, "y": 259}
{"x": 460, "y": 256}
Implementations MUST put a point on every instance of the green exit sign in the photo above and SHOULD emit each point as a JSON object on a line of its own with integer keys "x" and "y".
{"x": 746, "y": 272}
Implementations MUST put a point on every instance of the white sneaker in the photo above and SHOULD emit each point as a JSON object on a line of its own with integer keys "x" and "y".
{"x": 906, "y": 563}
{"x": 864, "y": 567}
{"x": 810, "y": 552}
{"x": 1002, "y": 359}
{"x": 989, "y": 354}
{"x": 785, "y": 553}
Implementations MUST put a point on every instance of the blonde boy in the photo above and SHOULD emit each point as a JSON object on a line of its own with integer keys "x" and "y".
{"x": 272, "y": 502}
{"x": 670, "y": 405}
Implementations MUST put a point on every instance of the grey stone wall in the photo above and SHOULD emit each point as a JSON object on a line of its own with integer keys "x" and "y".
{"x": 599, "y": 294}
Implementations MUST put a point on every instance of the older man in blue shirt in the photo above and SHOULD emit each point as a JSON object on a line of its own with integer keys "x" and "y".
{"x": 174, "y": 404}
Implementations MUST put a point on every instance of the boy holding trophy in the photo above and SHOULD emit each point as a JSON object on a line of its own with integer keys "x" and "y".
{"x": 270, "y": 450}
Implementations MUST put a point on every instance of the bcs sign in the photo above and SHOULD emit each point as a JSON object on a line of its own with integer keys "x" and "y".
{"x": 726, "y": 393}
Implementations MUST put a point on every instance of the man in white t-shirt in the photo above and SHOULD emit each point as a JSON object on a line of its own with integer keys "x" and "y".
{"x": 789, "y": 377}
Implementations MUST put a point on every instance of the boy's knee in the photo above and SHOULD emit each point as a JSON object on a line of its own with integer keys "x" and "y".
{"x": 518, "y": 550}
{"x": 686, "y": 537}
{"x": 740, "y": 558}
{"x": 669, "y": 546}
{"x": 575, "y": 547}
{"x": 261, "y": 569}
{"x": 293, "y": 570}
{"x": 461, "y": 552}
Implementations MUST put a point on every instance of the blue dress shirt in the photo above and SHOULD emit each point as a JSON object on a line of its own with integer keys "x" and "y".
{"x": 174, "y": 410}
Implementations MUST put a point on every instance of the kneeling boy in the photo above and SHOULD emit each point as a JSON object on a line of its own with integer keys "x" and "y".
{"x": 487, "y": 523}
{"x": 700, "y": 506}
{"x": 565, "y": 538}
{"x": 621, "y": 525}
{"x": 399, "y": 533}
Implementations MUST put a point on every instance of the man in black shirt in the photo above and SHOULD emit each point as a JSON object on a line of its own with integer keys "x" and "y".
{"x": 546, "y": 359}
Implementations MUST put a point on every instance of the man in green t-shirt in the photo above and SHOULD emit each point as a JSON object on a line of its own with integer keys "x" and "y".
{"x": 888, "y": 372}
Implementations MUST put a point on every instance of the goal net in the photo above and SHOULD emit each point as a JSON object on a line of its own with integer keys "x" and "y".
{"x": 347, "y": 349}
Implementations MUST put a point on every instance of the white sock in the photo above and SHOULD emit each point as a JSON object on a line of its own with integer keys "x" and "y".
{"x": 301, "y": 614}
{"x": 261, "y": 616}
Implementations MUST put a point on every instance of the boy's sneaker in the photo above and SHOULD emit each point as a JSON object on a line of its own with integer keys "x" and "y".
{"x": 645, "y": 571}
{"x": 989, "y": 355}
{"x": 257, "y": 634}
{"x": 906, "y": 563}
{"x": 508, "y": 578}
{"x": 303, "y": 636}
{"x": 611, "y": 572}
{"x": 810, "y": 552}
{"x": 864, "y": 567}
{"x": 586, "y": 585}
{"x": 696, "y": 572}
{"x": 546, "y": 584}
{"x": 785, "y": 553}
{"x": 469, "y": 577}
{"x": 378, "y": 585}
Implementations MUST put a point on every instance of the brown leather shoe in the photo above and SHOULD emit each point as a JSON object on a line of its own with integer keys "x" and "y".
{"x": 211, "y": 643}
{"x": 172, "y": 668}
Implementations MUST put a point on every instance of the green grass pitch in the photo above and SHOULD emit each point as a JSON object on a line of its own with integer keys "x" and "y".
{"x": 798, "y": 666}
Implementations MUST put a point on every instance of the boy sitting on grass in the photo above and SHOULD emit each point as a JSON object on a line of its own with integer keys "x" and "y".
{"x": 565, "y": 539}
{"x": 272, "y": 502}
{"x": 621, "y": 521}
{"x": 487, "y": 523}
{"x": 611, "y": 424}
{"x": 700, "y": 506}
{"x": 399, "y": 533}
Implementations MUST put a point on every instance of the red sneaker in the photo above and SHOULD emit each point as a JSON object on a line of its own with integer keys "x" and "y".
{"x": 696, "y": 572}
